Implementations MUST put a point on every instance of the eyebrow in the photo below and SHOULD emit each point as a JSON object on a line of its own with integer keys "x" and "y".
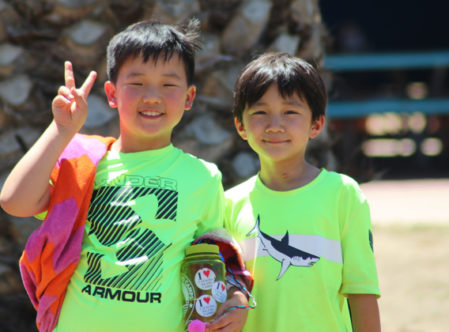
{"x": 167, "y": 75}
{"x": 289, "y": 102}
{"x": 293, "y": 102}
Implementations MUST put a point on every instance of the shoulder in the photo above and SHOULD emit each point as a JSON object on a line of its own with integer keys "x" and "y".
{"x": 346, "y": 188}
{"x": 194, "y": 166}
{"x": 93, "y": 145}
{"x": 340, "y": 180}
{"x": 84, "y": 139}
{"x": 241, "y": 190}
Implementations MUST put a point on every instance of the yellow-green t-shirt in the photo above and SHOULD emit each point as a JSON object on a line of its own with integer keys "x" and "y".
{"x": 146, "y": 208}
{"x": 306, "y": 248}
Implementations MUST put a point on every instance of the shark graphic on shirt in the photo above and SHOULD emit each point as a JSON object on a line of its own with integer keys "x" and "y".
{"x": 282, "y": 251}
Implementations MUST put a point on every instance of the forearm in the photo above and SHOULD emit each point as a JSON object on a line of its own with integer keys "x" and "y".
{"x": 26, "y": 190}
{"x": 364, "y": 312}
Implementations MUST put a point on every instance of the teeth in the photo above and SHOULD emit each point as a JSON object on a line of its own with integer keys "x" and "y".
{"x": 151, "y": 113}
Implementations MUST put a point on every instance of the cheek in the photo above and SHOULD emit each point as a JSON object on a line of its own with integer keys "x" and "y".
{"x": 255, "y": 127}
{"x": 174, "y": 97}
{"x": 252, "y": 134}
{"x": 129, "y": 95}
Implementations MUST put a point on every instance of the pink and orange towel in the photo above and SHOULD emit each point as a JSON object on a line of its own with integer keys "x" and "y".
{"x": 53, "y": 250}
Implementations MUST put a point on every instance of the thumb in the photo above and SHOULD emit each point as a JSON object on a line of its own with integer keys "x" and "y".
{"x": 79, "y": 103}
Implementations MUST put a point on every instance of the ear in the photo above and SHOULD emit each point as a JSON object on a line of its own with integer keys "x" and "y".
{"x": 317, "y": 127}
{"x": 109, "y": 89}
{"x": 191, "y": 93}
{"x": 240, "y": 128}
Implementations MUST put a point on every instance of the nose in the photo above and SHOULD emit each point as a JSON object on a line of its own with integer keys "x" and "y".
{"x": 275, "y": 124}
{"x": 151, "y": 95}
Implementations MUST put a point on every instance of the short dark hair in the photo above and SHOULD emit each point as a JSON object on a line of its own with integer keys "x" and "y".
{"x": 290, "y": 73}
{"x": 154, "y": 39}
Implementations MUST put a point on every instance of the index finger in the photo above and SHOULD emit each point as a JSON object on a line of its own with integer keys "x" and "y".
{"x": 88, "y": 83}
{"x": 68, "y": 75}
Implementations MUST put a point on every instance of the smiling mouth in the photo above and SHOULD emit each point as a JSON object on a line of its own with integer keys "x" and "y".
{"x": 275, "y": 141}
{"x": 151, "y": 114}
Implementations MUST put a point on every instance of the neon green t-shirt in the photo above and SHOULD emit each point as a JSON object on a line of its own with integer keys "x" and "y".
{"x": 146, "y": 208}
{"x": 306, "y": 248}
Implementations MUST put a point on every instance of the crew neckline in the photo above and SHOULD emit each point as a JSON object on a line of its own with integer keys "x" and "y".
{"x": 307, "y": 186}
{"x": 145, "y": 153}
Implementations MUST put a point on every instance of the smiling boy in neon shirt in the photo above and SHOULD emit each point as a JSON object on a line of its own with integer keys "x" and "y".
{"x": 305, "y": 231}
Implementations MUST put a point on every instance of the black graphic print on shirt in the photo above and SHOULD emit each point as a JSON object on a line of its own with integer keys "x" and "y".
{"x": 114, "y": 222}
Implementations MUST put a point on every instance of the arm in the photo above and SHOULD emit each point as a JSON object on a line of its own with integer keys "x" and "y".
{"x": 26, "y": 190}
{"x": 364, "y": 312}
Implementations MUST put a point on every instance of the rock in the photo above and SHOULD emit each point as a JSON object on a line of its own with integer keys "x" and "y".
{"x": 209, "y": 57}
{"x": 208, "y": 62}
{"x": 313, "y": 45}
{"x": 212, "y": 153}
{"x": 218, "y": 13}
{"x": 8, "y": 18}
{"x": 99, "y": 112}
{"x": 249, "y": 21}
{"x": 206, "y": 130}
{"x": 21, "y": 228}
{"x": 216, "y": 103}
{"x": 3, "y": 120}
{"x": 14, "y": 143}
{"x": 16, "y": 90}
{"x": 8, "y": 143}
{"x": 9, "y": 54}
{"x": 174, "y": 11}
{"x": 27, "y": 136}
{"x": 220, "y": 83}
{"x": 306, "y": 16}
{"x": 245, "y": 164}
{"x": 72, "y": 10}
{"x": 304, "y": 11}
{"x": 86, "y": 42}
{"x": 285, "y": 43}
{"x": 9, "y": 284}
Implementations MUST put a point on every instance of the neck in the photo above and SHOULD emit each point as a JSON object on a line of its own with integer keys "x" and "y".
{"x": 128, "y": 146}
{"x": 282, "y": 177}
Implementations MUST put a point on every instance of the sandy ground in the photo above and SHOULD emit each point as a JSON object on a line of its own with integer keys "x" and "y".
{"x": 411, "y": 243}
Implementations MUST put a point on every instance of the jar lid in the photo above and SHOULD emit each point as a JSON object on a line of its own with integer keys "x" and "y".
{"x": 202, "y": 248}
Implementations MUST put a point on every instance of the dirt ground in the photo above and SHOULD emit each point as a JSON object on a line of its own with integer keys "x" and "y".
{"x": 411, "y": 243}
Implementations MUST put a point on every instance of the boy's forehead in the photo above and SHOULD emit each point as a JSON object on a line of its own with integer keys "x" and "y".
{"x": 273, "y": 92}
{"x": 171, "y": 65}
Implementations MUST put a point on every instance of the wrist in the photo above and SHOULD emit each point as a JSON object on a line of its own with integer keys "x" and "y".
{"x": 237, "y": 294}
{"x": 64, "y": 132}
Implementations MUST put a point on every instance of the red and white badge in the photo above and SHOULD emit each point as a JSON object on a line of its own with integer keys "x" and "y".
{"x": 206, "y": 306}
{"x": 219, "y": 291}
{"x": 204, "y": 278}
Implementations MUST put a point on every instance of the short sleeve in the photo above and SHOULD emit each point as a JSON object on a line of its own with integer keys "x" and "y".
{"x": 213, "y": 207}
{"x": 359, "y": 266}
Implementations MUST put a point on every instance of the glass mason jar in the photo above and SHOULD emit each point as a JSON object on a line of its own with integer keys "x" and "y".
{"x": 203, "y": 280}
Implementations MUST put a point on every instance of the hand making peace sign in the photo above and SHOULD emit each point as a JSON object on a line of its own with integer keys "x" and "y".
{"x": 69, "y": 107}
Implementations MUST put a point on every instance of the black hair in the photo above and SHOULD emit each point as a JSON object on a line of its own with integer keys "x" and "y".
{"x": 290, "y": 73}
{"x": 155, "y": 40}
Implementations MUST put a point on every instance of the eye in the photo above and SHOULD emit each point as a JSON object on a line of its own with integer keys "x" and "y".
{"x": 258, "y": 112}
{"x": 170, "y": 84}
{"x": 135, "y": 84}
{"x": 291, "y": 112}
